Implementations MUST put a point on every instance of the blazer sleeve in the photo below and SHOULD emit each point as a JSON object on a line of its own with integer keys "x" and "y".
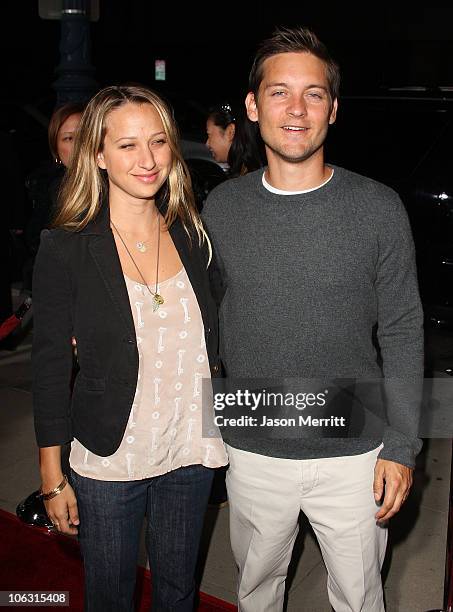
{"x": 52, "y": 349}
{"x": 217, "y": 278}
{"x": 216, "y": 271}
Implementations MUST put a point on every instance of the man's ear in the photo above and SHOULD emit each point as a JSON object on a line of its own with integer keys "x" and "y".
{"x": 333, "y": 112}
{"x": 250, "y": 105}
{"x": 100, "y": 161}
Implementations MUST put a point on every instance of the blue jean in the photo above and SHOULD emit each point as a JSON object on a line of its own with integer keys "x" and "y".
{"x": 111, "y": 517}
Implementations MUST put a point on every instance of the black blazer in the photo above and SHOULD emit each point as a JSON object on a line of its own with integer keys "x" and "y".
{"x": 79, "y": 290}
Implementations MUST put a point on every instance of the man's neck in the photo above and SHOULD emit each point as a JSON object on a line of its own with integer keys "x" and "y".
{"x": 288, "y": 176}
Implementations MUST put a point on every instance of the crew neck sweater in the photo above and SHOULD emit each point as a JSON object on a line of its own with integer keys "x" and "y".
{"x": 306, "y": 279}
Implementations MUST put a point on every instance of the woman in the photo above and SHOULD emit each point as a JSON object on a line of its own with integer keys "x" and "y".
{"x": 220, "y": 129}
{"x": 124, "y": 272}
{"x": 234, "y": 141}
{"x": 62, "y": 130}
{"x": 44, "y": 183}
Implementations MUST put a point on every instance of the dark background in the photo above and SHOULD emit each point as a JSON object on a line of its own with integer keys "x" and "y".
{"x": 209, "y": 46}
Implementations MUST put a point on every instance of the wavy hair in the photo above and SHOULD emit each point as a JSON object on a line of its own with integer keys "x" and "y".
{"x": 85, "y": 184}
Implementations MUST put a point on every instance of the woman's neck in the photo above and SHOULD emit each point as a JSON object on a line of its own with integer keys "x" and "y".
{"x": 136, "y": 217}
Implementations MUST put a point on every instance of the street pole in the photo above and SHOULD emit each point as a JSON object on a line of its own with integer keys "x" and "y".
{"x": 75, "y": 82}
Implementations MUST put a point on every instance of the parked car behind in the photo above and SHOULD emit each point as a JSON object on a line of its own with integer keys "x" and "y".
{"x": 403, "y": 138}
{"x": 204, "y": 171}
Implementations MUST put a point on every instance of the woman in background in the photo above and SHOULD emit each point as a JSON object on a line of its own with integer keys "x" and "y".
{"x": 234, "y": 141}
{"x": 62, "y": 131}
{"x": 44, "y": 183}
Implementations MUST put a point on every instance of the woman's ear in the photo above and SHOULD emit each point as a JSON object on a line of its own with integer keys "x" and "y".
{"x": 230, "y": 131}
{"x": 100, "y": 161}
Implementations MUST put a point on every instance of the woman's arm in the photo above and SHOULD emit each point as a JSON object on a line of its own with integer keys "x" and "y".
{"x": 62, "y": 509}
{"x": 52, "y": 369}
{"x": 52, "y": 350}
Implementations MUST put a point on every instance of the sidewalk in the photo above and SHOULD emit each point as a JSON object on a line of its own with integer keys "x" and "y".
{"x": 414, "y": 570}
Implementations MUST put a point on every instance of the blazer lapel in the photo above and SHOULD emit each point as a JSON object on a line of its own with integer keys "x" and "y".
{"x": 192, "y": 262}
{"x": 103, "y": 250}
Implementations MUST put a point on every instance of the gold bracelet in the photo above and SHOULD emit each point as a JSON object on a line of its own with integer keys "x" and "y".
{"x": 56, "y": 491}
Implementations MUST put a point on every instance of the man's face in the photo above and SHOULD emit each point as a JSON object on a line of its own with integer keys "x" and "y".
{"x": 293, "y": 106}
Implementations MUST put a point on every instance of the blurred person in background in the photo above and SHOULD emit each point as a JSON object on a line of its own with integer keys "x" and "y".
{"x": 234, "y": 141}
{"x": 220, "y": 129}
{"x": 44, "y": 183}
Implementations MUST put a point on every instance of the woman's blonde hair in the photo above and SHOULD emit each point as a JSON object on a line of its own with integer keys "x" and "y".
{"x": 85, "y": 185}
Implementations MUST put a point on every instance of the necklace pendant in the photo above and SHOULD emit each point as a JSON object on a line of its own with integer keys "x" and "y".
{"x": 158, "y": 300}
{"x": 141, "y": 246}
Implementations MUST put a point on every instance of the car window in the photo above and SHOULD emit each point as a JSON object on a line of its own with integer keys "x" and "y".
{"x": 387, "y": 140}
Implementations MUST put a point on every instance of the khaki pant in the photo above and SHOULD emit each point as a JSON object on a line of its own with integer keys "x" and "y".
{"x": 266, "y": 495}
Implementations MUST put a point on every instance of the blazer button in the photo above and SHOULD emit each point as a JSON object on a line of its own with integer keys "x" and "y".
{"x": 215, "y": 368}
{"x": 208, "y": 330}
{"x": 130, "y": 341}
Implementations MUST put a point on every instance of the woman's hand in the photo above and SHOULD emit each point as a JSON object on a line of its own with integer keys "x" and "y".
{"x": 62, "y": 511}
{"x": 62, "y": 508}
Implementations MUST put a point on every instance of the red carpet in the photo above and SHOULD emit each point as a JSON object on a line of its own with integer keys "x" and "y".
{"x": 32, "y": 559}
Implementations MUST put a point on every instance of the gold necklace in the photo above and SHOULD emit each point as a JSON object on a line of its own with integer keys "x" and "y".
{"x": 158, "y": 300}
{"x": 141, "y": 245}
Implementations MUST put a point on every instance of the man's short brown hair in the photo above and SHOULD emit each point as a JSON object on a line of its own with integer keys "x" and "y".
{"x": 294, "y": 40}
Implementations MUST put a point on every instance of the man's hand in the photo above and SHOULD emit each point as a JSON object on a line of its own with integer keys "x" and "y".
{"x": 396, "y": 479}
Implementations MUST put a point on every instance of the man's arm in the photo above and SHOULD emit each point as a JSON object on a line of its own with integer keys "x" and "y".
{"x": 400, "y": 336}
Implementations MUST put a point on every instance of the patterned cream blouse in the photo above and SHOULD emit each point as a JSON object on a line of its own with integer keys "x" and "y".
{"x": 164, "y": 431}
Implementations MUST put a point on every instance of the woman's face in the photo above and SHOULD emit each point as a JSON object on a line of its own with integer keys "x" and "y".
{"x": 219, "y": 140}
{"x": 65, "y": 138}
{"x": 136, "y": 153}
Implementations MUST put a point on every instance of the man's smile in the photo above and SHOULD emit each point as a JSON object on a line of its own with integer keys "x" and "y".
{"x": 294, "y": 128}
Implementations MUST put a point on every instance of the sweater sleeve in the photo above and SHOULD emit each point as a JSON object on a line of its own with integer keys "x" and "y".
{"x": 400, "y": 335}
{"x": 52, "y": 350}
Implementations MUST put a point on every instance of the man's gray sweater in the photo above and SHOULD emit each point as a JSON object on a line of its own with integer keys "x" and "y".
{"x": 307, "y": 278}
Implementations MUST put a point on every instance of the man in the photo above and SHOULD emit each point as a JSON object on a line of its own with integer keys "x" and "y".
{"x": 312, "y": 258}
